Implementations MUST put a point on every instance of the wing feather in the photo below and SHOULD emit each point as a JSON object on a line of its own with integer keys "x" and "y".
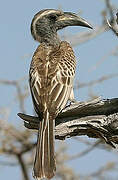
{"x": 52, "y": 88}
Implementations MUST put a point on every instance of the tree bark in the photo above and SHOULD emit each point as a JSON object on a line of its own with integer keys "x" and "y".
{"x": 96, "y": 119}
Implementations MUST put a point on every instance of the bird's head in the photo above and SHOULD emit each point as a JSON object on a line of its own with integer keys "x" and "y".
{"x": 46, "y": 23}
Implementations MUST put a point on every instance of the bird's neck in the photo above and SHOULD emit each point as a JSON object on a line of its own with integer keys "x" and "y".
{"x": 51, "y": 40}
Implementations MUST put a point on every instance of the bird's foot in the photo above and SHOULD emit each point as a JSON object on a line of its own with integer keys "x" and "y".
{"x": 73, "y": 101}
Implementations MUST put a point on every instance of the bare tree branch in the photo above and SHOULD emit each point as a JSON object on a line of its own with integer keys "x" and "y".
{"x": 23, "y": 167}
{"x": 86, "y": 151}
{"x": 97, "y": 118}
{"x": 83, "y": 37}
{"x": 20, "y": 95}
{"x": 91, "y": 83}
{"x": 113, "y": 23}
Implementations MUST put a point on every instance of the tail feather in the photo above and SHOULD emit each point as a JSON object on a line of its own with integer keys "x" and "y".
{"x": 44, "y": 165}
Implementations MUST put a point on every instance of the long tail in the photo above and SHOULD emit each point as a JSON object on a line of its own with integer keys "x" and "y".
{"x": 44, "y": 165}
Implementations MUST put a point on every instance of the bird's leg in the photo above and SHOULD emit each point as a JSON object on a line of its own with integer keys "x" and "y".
{"x": 71, "y": 98}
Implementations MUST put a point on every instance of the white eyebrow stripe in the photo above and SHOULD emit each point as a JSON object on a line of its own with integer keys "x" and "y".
{"x": 48, "y": 12}
{"x": 39, "y": 16}
{"x": 34, "y": 23}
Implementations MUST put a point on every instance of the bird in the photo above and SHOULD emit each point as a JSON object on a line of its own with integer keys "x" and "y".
{"x": 51, "y": 77}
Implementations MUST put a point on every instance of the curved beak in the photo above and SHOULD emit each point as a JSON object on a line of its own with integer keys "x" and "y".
{"x": 71, "y": 19}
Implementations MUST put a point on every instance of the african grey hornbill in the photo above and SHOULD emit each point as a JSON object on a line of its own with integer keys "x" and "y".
{"x": 51, "y": 78}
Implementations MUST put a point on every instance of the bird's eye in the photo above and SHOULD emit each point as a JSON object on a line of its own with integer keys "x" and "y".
{"x": 53, "y": 17}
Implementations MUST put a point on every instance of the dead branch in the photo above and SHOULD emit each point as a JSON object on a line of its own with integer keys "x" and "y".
{"x": 113, "y": 27}
{"x": 94, "y": 82}
{"x": 113, "y": 23}
{"x": 80, "y": 38}
{"x": 23, "y": 167}
{"x": 96, "y": 119}
{"x": 103, "y": 170}
{"x": 20, "y": 95}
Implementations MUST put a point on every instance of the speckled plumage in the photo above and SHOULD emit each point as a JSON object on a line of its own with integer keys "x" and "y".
{"x": 51, "y": 78}
{"x": 52, "y": 73}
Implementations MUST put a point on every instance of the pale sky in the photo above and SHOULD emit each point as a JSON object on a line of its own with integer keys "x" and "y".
{"x": 17, "y": 47}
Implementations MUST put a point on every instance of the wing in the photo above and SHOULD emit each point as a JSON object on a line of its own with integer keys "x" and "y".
{"x": 52, "y": 83}
{"x": 62, "y": 82}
